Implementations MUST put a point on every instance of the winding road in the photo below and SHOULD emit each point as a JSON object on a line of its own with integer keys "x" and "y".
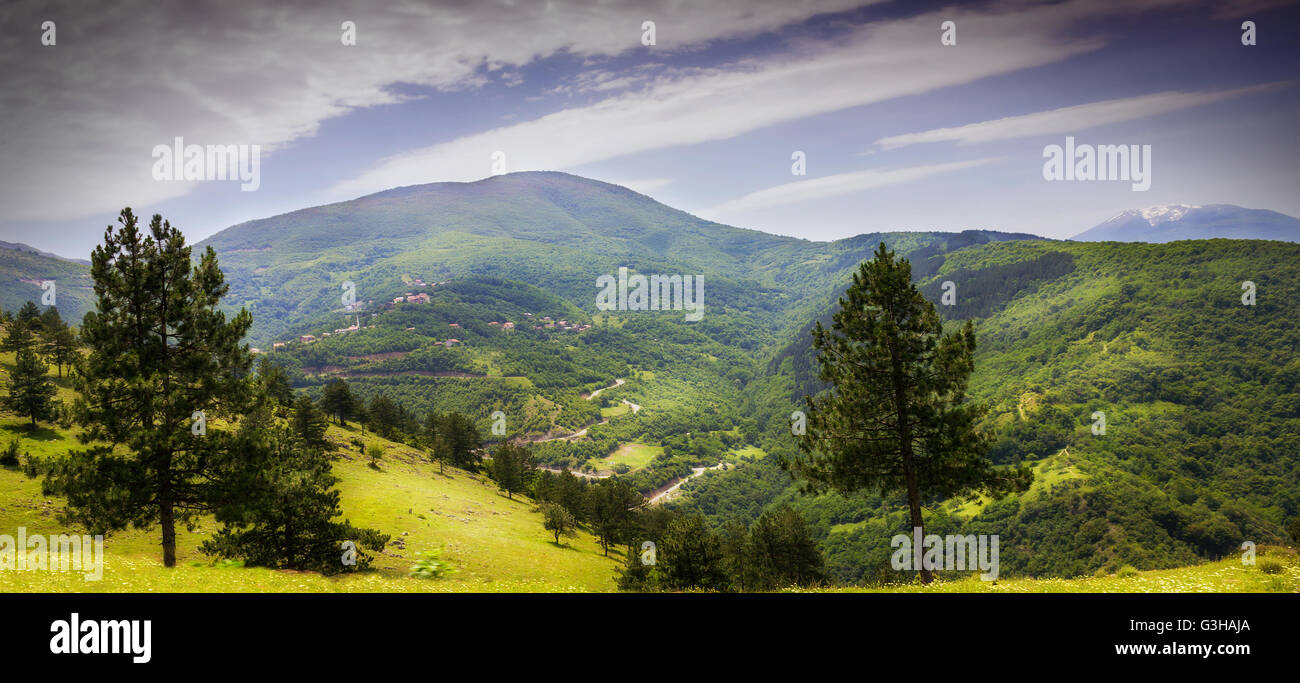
{"x": 664, "y": 493}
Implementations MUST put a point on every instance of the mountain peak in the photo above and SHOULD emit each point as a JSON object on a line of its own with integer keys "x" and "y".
{"x": 1170, "y": 222}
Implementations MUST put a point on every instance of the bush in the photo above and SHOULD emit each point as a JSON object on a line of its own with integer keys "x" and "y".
{"x": 67, "y": 415}
{"x": 1127, "y": 571}
{"x": 429, "y": 566}
{"x": 376, "y": 453}
{"x": 9, "y": 456}
{"x": 1269, "y": 565}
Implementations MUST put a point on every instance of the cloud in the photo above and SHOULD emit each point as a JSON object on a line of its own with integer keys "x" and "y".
{"x": 1071, "y": 119}
{"x": 646, "y": 186}
{"x": 81, "y": 117}
{"x": 830, "y": 186}
{"x": 876, "y": 62}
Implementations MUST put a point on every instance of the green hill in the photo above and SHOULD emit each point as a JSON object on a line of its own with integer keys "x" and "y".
{"x": 551, "y": 230}
{"x": 493, "y": 543}
{"x": 1201, "y": 396}
{"x": 21, "y": 275}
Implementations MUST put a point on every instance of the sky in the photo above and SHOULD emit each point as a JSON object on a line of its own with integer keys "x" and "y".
{"x": 896, "y": 130}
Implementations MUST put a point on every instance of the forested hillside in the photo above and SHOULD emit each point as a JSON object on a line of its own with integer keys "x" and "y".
{"x": 1152, "y": 389}
{"x": 1199, "y": 392}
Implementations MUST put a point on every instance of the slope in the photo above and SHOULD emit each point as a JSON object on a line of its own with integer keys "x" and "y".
{"x": 1201, "y": 396}
{"x": 493, "y": 543}
{"x": 1187, "y": 222}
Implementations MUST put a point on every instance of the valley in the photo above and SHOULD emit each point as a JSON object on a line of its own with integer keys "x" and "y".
{"x": 1199, "y": 391}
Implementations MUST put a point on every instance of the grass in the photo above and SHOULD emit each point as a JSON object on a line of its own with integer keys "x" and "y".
{"x": 747, "y": 453}
{"x": 634, "y": 455}
{"x": 1224, "y": 576}
{"x": 493, "y": 543}
{"x": 1047, "y": 473}
{"x": 615, "y": 411}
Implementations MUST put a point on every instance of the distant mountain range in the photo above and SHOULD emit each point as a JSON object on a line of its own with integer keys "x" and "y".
{"x": 552, "y": 230}
{"x": 560, "y": 232}
{"x": 19, "y": 246}
{"x": 1188, "y": 222}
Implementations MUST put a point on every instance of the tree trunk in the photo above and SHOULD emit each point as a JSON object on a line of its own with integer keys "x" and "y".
{"x": 905, "y": 450}
{"x": 167, "y": 520}
{"x": 914, "y": 506}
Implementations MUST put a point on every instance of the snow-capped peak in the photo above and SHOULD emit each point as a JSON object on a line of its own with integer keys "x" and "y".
{"x": 1156, "y": 215}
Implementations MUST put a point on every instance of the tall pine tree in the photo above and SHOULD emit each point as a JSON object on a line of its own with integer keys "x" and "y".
{"x": 31, "y": 393}
{"x": 162, "y": 355}
{"x": 896, "y": 418}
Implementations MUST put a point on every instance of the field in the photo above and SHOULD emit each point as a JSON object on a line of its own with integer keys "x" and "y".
{"x": 1224, "y": 576}
{"x": 493, "y": 543}
{"x": 634, "y": 455}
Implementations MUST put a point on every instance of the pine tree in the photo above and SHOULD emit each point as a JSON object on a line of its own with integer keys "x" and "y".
{"x": 309, "y": 423}
{"x": 160, "y": 352}
{"x": 512, "y": 466}
{"x": 896, "y": 417}
{"x": 783, "y": 551}
{"x": 737, "y": 555}
{"x": 459, "y": 441}
{"x": 338, "y": 401}
{"x": 281, "y": 514}
{"x": 613, "y": 504}
{"x": 275, "y": 383}
{"x": 690, "y": 556}
{"x": 385, "y": 416}
{"x": 9, "y": 456}
{"x": 23, "y": 328}
{"x": 31, "y": 392}
{"x": 61, "y": 347}
{"x": 435, "y": 440}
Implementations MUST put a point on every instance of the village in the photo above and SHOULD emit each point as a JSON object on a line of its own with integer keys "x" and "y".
{"x": 543, "y": 323}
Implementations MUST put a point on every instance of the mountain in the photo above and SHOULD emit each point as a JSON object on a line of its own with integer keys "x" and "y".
{"x": 1200, "y": 395}
{"x": 1188, "y": 222}
{"x": 22, "y": 272}
{"x": 551, "y": 230}
{"x": 18, "y": 246}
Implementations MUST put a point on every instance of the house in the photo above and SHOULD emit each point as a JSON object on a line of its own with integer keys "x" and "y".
{"x": 508, "y": 326}
{"x": 451, "y": 342}
{"x": 494, "y": 323}
{"x": 254, "y": 349}
{"x": 307, "y": 338}
{"x": 277, "y": 345}
{"x": 399, "y": 299}
{"x": 420, "y": 298}
{"x": 456, "y": 325}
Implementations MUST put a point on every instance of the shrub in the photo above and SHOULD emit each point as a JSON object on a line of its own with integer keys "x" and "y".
{"x": 9, "y": 456}
{"x": 429, "y": 566}
{"x": 1269, "y": 565}
{"x": 376, "y": 453}
{"x": 1127, "y": 571}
